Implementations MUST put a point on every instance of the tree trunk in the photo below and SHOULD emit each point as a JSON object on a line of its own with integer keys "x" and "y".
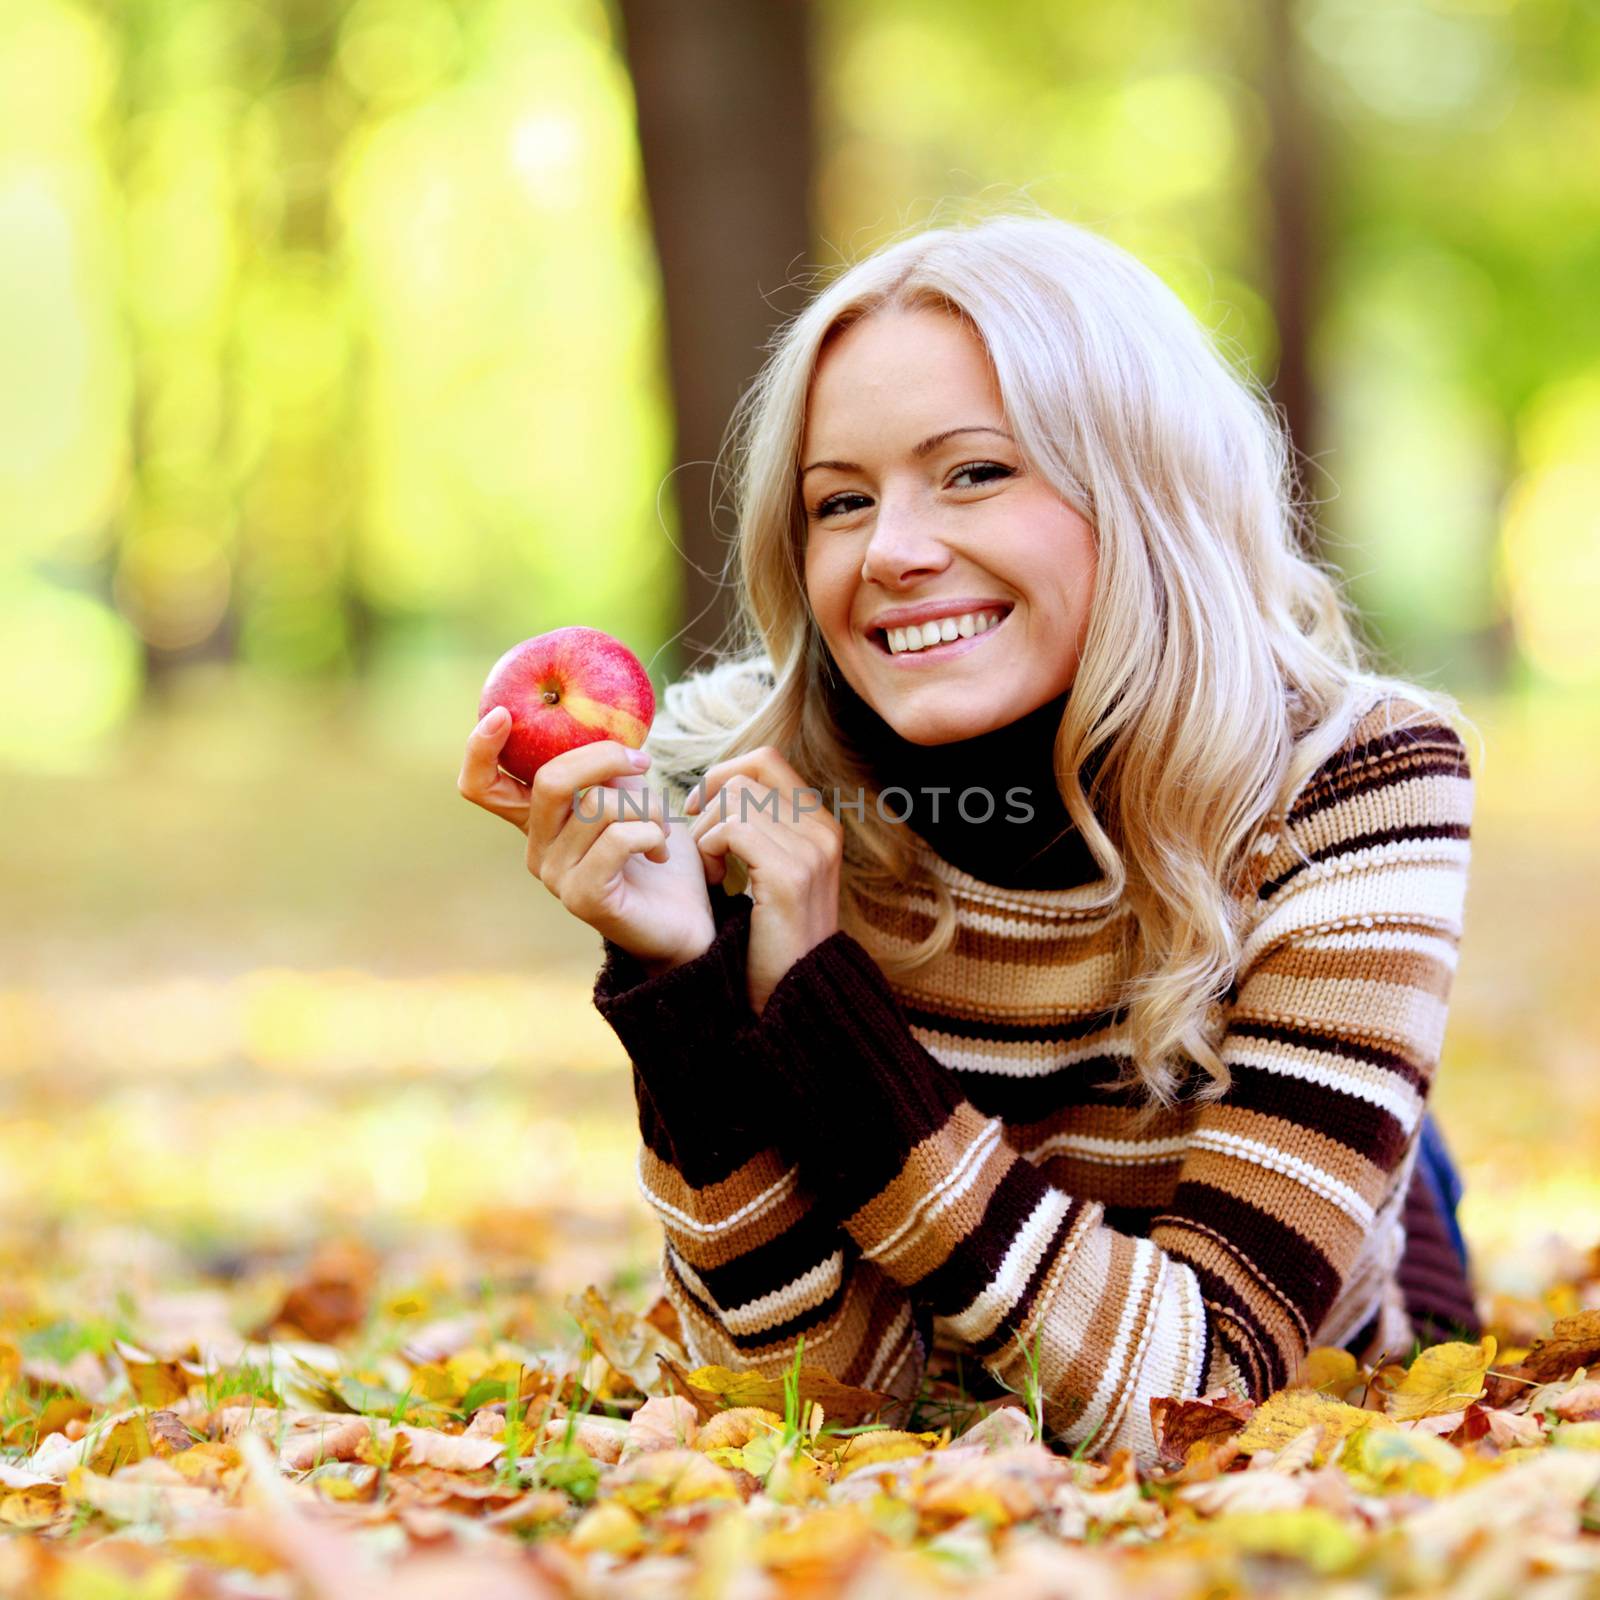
{"x": 723, "y": 89}
{"x": 1294, "y": 185}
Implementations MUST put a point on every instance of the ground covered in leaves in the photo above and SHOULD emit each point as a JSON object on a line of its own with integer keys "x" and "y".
{"x": 345, "y": 1422}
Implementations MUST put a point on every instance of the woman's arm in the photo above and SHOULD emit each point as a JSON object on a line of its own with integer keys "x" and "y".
{"x": 1333, "y": 1042}
{"x": 751, "y": 1261}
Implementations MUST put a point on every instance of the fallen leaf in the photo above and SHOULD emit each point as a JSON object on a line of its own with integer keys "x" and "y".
{"x": 154, "y": 1383}
{"x": 1329, "y": 1370}
{"x": 1307, "y": 1534}
{"x": 1444, "y": 1377}
{"x": 1180, "y": 1425}
{"x": 629, "y": 1344}
{"x": 1574, "y": 1342}
{"x": 713, "y": 1388}
{"x": 1284, "y": 1416}
{"x": 663, "y": 1422}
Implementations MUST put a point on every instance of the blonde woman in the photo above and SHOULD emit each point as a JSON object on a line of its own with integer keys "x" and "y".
{"x": 1099, "y": 902}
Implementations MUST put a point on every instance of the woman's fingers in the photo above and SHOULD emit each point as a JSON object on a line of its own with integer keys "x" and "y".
{"x": 582, "y": 886}
{"x": 593, "y": 812}
{"x": 563, "y": 782}
{"x": 766, "y": 768}
{"x": 482, "y": 781}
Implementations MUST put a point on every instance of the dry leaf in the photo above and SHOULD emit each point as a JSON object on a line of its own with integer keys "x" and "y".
{"x": 1574, "y": 1342}
{"x": 629, "y": 1344}
{"x": 711, "y": 1389}
{"x": 454, "y": 1451}
{"x": 663, "y": 1422}
{"x": 154, "y": 1383}
{"x": 736, "y": 1428}
{"x": 1005, "y": 1426}
{"x": 1180, "y": 1425}
{"x": 1443, "y": 1378}
{"x": 668, "y": 1478}
{"x": 1284, "y": 1416}
{"x": 1329, "y": 1370}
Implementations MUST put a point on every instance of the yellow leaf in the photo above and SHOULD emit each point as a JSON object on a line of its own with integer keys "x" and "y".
{"x": 155, "y": 1383}
{"x": 126, "y": 1440}
{"x": 733, "y": 1429}
{"x": 1310, "y": 1535}
{"x": 1443, "y": 1378}
{"x": 1396, "y": 1459}
{"x": 33, "y": 1507}
{"x": 1289, "y": 1413}
{"x": 883, "y": 1444}
{"x": 711, "y": 1388}
{"x": 1328, "y": 1370}
{"x": 628, "y": 1344}
{"x": 609, "y": 1526}
{"x": 660, "y": 1478}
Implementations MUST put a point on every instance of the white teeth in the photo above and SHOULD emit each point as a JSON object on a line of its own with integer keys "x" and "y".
{"x": 919, "y": 637}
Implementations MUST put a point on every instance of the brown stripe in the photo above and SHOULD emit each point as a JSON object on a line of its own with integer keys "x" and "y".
{"x": 1410, "y": 968}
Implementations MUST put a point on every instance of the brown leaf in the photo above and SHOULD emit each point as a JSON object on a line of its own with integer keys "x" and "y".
{"x": 710, "y": 1389}
{"x": 1179, "y": 1425}
{"x": 1574, "y": 1342}
{"x": 331, "y": 1297}
{"x": 154, "y": 1383}
{"x": 663, "y": 1316}
{"x": 629, "y": 1344}
{"x": 168, "y": 1434}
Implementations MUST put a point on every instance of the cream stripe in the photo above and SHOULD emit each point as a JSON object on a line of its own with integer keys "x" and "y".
{"x": 805, "y": 1293}
{"x": 961, "y": 1176}
{"x": 991, "y": 1303}
{"x": 1112, "y": 1152}
{"x": 993, "y": 1059}
{"x": 1312, "y": 1177}
{"x": 1393, "y": 1093}
{"x": 1147, "y": 1262}
{"x": 768, "y": 1197}
{"x": 893, "y": 1335}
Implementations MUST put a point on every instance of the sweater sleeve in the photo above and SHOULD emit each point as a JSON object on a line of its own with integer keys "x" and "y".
{"x": 1332, "y": 1039}
{"x": 750, "y": 1260}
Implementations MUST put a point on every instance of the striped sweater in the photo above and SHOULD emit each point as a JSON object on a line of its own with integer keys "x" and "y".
{"x": 902, "y": 1172}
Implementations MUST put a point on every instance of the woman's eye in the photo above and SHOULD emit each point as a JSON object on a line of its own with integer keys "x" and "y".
{"x": 982, "y": 466}
{"x": 838, "y": 502}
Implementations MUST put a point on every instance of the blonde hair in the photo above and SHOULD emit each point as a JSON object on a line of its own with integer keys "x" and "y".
{"x": 1220, "y": 667}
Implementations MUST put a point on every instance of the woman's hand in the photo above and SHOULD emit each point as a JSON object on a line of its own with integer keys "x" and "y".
{"x": 757, "y": 808}
{"x": 634, "y": 876}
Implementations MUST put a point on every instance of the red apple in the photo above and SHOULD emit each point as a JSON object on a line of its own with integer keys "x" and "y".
{"x": 565, "y": 688}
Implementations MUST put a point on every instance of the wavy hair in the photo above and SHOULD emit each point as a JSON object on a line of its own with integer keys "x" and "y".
{"x": 1222, "y": 665}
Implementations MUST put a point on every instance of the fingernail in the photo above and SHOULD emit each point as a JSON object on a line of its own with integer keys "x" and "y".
{"x": 640, "y": 759}
{"x": 493, "y": 717}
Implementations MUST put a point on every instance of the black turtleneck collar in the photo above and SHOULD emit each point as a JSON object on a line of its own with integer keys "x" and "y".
{"x": 1045, "y": 851}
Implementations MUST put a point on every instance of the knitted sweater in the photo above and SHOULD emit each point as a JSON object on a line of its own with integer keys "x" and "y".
{"x": 896, "y": 1170}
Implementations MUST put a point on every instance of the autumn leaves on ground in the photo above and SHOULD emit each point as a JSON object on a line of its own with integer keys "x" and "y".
{"x": 399, "y": 1426}
{"x": 308, "y": 1168}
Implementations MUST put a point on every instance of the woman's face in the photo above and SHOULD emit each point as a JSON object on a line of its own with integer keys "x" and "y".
{"x": 900, "y": 518}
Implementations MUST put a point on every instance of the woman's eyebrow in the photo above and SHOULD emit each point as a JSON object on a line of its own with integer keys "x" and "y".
{"x": 919, "y": 451}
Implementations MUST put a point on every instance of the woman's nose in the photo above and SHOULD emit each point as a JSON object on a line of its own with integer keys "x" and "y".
{"x": 902, "y": 546}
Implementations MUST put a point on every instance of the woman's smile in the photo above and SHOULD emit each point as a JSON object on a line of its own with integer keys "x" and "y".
{"x": 958, "y": 635}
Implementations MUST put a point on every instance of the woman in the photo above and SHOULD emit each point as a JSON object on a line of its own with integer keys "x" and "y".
{"x": 1102, "y": 902}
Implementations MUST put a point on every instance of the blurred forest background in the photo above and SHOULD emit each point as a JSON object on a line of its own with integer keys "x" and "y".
{"x": 344, "y": 345}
